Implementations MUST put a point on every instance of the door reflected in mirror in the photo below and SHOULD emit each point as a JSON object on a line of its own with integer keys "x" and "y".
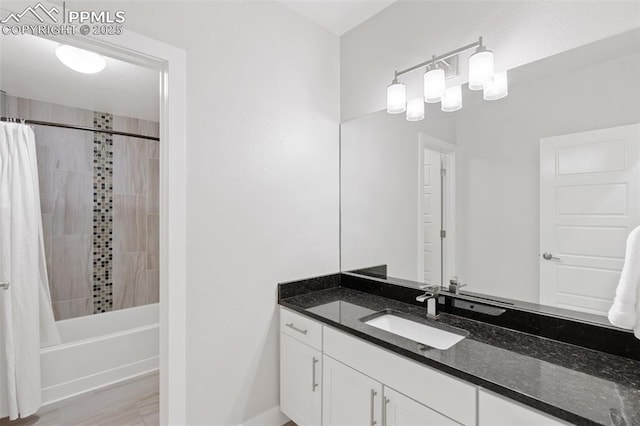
{"x": 528, "y": 198}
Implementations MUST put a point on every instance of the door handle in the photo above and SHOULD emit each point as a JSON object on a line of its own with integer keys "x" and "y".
{"x": 299, "y": 330}
{"x": 549, "y": 256}
{"x": 384, "y": 411}
{"x": 314, "y": 385}
{"x": 373, "y": 397}
{"x": 4, "y": 285}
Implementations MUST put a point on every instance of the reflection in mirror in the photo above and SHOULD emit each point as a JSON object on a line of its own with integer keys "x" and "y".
{"x": 528, "y": 198}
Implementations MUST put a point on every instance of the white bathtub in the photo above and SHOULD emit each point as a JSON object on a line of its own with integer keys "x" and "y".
{"x": 98, "y": 350}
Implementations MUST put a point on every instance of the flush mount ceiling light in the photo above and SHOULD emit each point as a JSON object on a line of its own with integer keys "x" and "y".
{"x": 80, "y": 60}
{"x": 482, "y": 76}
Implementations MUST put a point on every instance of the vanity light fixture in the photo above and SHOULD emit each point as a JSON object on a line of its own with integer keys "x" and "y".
{"x": 434, "y": 84}
{"x": 440, "y": 68}
{"x": 452, "y": 99}
{"x": 80, "y": 60}
{"x": 498, "y": 88}
{"x": 396, "y": 97}
{"x": 480, "y": 67}
{"x": 415, "y": 109}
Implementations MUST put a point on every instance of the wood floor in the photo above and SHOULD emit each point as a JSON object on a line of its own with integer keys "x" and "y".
{"x": 133, "y": 403}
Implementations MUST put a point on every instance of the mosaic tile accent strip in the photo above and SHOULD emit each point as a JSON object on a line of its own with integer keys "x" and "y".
{"x": 102, "y": 242}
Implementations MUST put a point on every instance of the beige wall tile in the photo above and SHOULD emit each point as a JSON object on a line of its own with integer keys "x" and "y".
{"x": 153, "y": 242}
{"x": 153, "y": 149}
{"x": 47, "y": 233}
{"x": 72, "y": 308}
{"x": 72, "y": 202}
{"x": 71, "y": 266}
{"x": 45, "y": 178}
{"x": 148, "y": 128}
{"x": 153, "y": 285}
{"x": 70, "y": 149}
{"x": 129, "y": 279}
{"x": 34, "y": 110}
{"x": 130, "y": 168}
{"x": 153, "y": 195}
{"x": 129, "y": 223}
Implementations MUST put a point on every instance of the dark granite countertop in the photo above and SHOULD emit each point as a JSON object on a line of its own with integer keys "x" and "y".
{"x": 578, "y": 385}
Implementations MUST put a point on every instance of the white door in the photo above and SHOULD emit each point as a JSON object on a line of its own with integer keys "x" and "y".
{"x": 589, "y": 202}
{"x": 400, "y": 410}
{"x": 349, "y": 397}
{"x": 300, "y": 381}
{"x": 431, "y": 219}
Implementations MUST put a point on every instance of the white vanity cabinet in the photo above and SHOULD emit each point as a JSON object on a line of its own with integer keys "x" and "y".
{"x": 352, "y": 398}
{"x": 348, "y": 396}
{"x": 331, "y": 378}
{"x": 300, "y": 369}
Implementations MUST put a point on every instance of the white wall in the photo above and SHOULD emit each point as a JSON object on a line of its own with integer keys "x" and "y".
{"x": 380, "y": 189}
{"x": 519, "y": 32}
{"x": 262, "y": 200}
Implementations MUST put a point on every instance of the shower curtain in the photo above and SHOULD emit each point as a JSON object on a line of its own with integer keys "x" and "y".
{"x": 26, "y": 314}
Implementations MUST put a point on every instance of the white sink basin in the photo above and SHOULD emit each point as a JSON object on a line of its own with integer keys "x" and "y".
{"x": 422, "y": 333}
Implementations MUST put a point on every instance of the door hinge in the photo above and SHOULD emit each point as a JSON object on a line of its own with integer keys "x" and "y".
{"x": 443, "y": 171}
{"x": 443, "y": 234}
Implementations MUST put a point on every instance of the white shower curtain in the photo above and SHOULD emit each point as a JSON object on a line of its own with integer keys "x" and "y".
{"x": 26, "y": 315}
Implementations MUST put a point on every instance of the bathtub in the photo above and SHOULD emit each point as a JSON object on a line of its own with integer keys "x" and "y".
{"x": 98, "y": 350}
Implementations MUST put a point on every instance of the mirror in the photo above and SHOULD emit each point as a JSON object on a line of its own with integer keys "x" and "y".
{"x": 528, "y": 198}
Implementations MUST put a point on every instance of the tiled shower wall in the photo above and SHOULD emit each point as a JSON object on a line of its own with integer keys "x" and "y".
{"x": 99, "y": 199}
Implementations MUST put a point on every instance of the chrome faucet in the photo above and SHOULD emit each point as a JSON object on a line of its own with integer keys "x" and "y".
{"x": 455, "y": 285}
{"x": 431, "y": 293}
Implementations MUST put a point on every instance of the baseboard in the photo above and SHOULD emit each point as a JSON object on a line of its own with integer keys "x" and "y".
{"x": 271, "y": 417}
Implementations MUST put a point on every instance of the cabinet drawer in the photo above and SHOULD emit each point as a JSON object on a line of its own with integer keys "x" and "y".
{"x": 445, "y": 394}
{"x": 301, "y": 328}
{"x": 497, "y": 411}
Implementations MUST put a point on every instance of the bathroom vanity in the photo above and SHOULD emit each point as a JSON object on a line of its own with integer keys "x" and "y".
{"x": 338, "y": 368}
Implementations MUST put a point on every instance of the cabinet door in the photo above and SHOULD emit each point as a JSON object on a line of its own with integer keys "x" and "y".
{"x": 300, "y": 381}
{"x": 400, "y": 410}
{"x": 349, "y": 397}
{"x": 494, "y": 410}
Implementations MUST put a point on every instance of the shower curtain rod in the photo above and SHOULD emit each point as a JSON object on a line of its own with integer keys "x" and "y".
{"x": 84, "y": 128}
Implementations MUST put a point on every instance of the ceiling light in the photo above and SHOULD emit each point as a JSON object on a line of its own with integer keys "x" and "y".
{"x": 434, "y": 85}
{"x": 396, "y": 97}
{"x": 415, "y": 109}
{"x": 498, "y": 88}
{"x": 452, "y": 99}
{"x": 80, "y": 60}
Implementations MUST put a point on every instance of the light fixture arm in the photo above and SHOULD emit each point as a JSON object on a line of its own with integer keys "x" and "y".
{"x": 434, "y": 59}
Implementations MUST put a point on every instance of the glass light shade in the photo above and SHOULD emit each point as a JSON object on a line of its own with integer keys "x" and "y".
{"x": 452, "y": 99}
{"x": 396, "y": 98}
{"x": 497, "y": 89}
{"x": 415, "y": 109}
{"x": 80, "y": 60}
{"x": 480, "y": 69}
{"x": 434, "y": 85}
